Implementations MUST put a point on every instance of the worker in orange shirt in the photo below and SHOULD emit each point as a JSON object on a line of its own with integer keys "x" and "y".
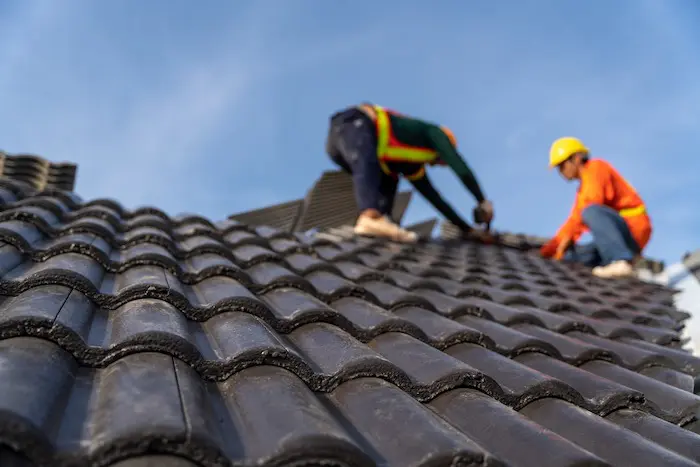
{"x": 607, "y": 206}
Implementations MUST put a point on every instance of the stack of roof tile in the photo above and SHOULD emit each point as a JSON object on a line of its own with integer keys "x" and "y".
{"x": 281, "y": 216}
{"x": 38, "y": 172}
{"x": 131, "y": 339}
{"x": 329, "y": 204}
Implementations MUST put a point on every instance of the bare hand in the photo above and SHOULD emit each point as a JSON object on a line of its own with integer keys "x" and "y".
{"x": 483, "y": 212}
{"x": 564, "y": 245}
{"x": 486, "y": 208}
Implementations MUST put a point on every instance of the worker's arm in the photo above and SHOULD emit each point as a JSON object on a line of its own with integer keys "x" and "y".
{"x": 567, "y": 230}
{"x": 594, "y": 182}
{"x": 448, "y": 153}
{"x": 426, "y": 189}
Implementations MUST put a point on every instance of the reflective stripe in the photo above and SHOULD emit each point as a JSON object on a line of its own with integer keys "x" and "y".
{"x": 388, "y": 149}
{"x": 385, "y": 169}
{"x": 418, "y": 175}
{"x": 631, "y": 212}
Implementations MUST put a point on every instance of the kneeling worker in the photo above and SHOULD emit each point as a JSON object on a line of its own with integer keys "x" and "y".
{"x": 607, "y": 206}
{"x": 376, "y": 145}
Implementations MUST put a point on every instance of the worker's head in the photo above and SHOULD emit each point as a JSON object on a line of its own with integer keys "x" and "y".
{"x": 568, "y": 154}
{"x": 450, "y": 135}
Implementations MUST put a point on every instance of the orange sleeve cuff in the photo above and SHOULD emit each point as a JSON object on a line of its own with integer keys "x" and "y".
{"x": 549, "y": 249}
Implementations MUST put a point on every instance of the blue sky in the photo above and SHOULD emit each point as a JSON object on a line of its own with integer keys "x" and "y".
{"x": 223, "y": 107}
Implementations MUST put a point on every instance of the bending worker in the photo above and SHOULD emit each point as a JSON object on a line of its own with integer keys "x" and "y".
{"x": 607, "y": 206}
{"x": 376, "y": 146}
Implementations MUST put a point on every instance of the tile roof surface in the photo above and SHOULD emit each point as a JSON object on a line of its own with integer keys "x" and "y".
{"x": 132, "y": 339}
{"x": 448, "y": 230}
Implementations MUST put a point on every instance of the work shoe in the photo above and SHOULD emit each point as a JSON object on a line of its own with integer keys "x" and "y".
{"x": 383, "y": 227}
{"x": 620, "y": 268}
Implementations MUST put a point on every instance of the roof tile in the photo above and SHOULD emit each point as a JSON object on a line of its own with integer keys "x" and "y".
{"x": 595, "y": 434}
{"x": 128, "y": 337}
{"x": 473, "y": 413}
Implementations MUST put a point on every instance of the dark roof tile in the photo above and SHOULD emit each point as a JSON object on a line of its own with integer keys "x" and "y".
{"x": 386, "y": 418}
{"x": 599, "y": 436}
{"x": 153, "y": 461}
{"x": 670, "y": 436}
{"x": 667, "y": 402}
{"x": 600, "y": 395}
{"x": 128, "y": 337}
{"x": 671, "y": 377}
{"x": 489, "y": 423}
{"x": 507, "y": 340}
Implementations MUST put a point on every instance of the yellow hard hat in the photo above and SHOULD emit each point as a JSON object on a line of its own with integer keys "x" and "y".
{"x": 450, "y": 135}
{"x": 563, "y": 148}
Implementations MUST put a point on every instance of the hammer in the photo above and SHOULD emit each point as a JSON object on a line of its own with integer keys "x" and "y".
{"x": 479, "y": 218}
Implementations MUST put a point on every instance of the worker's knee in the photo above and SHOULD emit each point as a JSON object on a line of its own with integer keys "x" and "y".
{"x": 595, "y": 212}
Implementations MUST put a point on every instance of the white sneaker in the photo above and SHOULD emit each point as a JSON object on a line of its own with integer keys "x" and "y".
{"x": 384, "y": 227}
{"x": 620, "y": 268}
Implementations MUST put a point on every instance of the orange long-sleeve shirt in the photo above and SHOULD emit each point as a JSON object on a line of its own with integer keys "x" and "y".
{"x": 602, "y": 184}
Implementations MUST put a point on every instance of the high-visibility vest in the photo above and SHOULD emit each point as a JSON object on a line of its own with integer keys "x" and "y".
{"x": 389, "y": 149}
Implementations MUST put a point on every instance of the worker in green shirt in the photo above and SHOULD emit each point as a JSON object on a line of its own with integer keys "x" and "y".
{"x": 376, "y": 145}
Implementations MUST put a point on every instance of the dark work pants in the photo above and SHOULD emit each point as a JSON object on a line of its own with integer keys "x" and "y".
{"x": 353, "y": 147}
{"x": 612, "y": 239}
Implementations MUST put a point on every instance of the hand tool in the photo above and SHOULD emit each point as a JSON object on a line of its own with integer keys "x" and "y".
{"x": 479, "y": 216}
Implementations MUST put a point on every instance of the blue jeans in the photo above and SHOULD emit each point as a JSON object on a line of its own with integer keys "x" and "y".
{"x": 612, "y": 239}
{"x": 353, "y": 147}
